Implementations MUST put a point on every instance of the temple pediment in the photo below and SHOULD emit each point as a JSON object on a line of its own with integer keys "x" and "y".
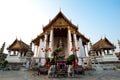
{"x": 60, "y": 22}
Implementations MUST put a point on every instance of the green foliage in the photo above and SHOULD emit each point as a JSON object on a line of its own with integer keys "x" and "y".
{"x": 71, "y": 58}
{"x": 56, "y": 51}
{"x": 68, "y": 61}
{"x": 47, "y": 59}
{"x": 4, "y": 63}
{"x": 118, "y": 67}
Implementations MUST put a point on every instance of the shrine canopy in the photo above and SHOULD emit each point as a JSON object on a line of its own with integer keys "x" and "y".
{"x": 62, "y": 22}
{"x": 104, "y": 44}
{"x": 18, "y": 45}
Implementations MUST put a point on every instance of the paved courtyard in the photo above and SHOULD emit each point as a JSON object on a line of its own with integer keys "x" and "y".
{"x": 89, "y": 75}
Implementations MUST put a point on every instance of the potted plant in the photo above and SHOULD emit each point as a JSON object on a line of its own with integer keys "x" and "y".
{"x": 71, "y": 59}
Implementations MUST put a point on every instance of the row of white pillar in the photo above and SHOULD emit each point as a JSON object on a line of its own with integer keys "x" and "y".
{"x": 44, "y": 45}
{"x": 103, "y": 53}
{"x": 37, "y": 50}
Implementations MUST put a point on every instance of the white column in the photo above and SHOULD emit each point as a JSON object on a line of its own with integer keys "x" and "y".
{"x": 80, "y": 60}
{"x": 113, "y": 53}
{"x": 45, "y": 40}
{"x": 40, "y": 46}
{"x": 45, "y": 44}
{"x": 51, "y": 43}
{"x": 35, "y": 48}
{"x": 69, "y": 42}
{"x": 41, "y": 52}
{"x": 98, "y": 53}
{"x": 86, "y": 50}
{"x": 36, "y": 51}
{"x": 81, "y": 52}
{"x": 43, "y": 47}
{"x": 76, "y": 47}
{"x": 75, "y": 40}
{"x": 103, "y": 54}
{"x": 19, "y": 55}
{"x": 106, "y": 52}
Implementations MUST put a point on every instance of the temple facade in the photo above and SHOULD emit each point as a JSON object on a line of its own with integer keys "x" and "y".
{"x": 60, "y": 31}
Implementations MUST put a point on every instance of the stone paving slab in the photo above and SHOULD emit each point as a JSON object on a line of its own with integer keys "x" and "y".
{"x": 89, "y": 75}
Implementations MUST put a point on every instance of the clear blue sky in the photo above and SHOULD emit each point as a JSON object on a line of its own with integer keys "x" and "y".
{"x": 24, "y": 18}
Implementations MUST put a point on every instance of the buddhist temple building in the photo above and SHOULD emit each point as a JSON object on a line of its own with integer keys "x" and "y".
{"x": 18, "y": 49}
{"x": 103, "y": 51}
{"x": 60, "y": 31}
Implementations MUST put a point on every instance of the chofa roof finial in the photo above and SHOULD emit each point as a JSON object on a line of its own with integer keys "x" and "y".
{"x": 60, "y": 9}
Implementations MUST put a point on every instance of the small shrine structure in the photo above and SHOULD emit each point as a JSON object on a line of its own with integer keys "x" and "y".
{"x": 104, "y": 51}
{"x": 17, "y": 51}
{"x": 18, "y": 47}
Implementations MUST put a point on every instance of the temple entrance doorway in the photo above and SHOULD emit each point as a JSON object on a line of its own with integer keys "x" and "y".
{"x": 60, "y": 40}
